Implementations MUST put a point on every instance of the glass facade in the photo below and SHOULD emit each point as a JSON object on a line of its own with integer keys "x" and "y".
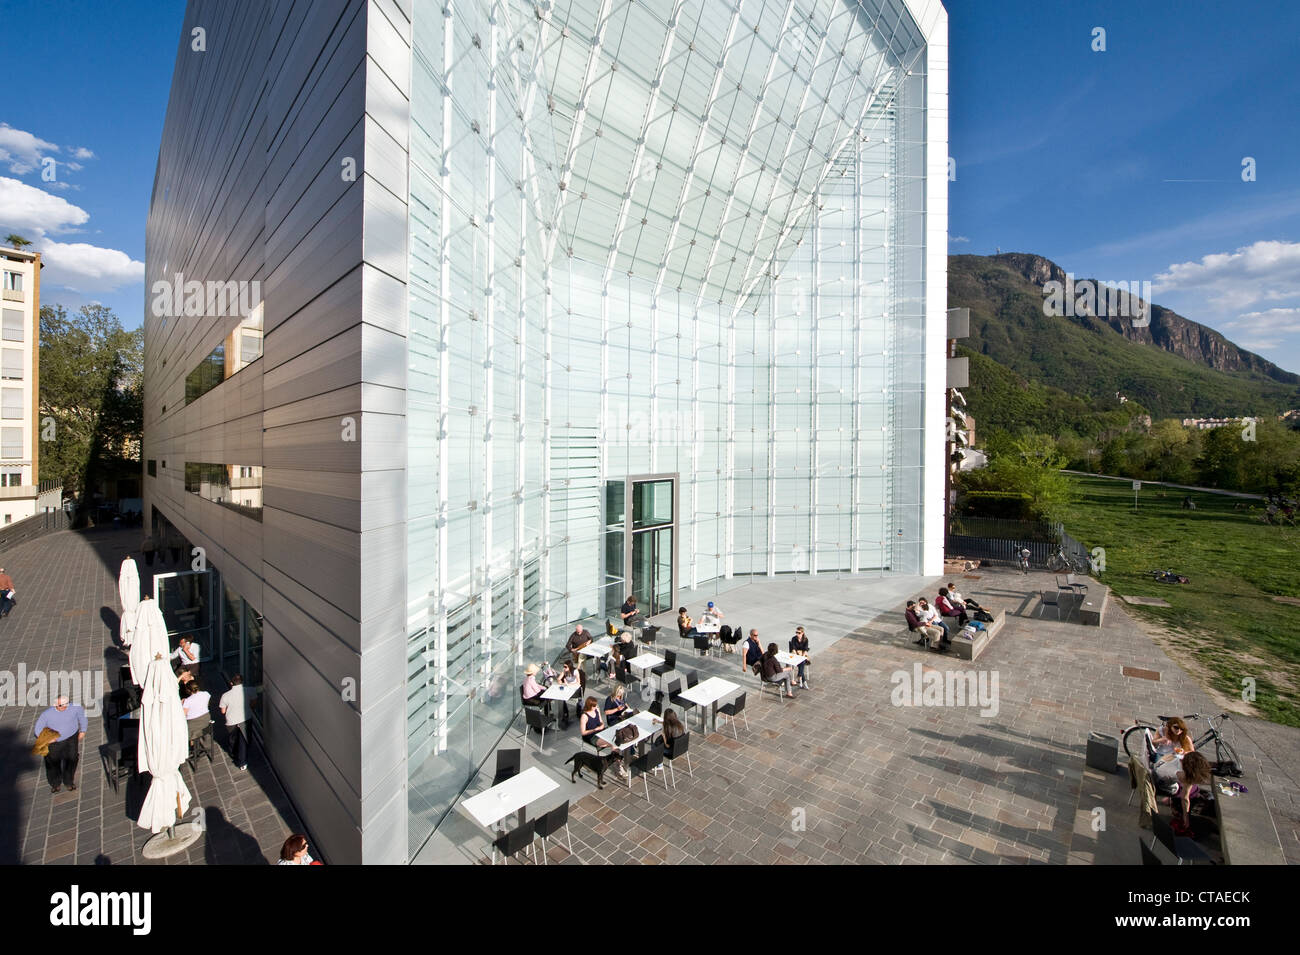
{"x": 648, "y": 239}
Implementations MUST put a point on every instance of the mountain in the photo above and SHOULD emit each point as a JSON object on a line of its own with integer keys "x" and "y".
{"x": 1063, "y": 364}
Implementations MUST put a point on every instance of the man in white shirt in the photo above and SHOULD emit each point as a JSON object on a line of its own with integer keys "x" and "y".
{"x": 234, "y": 707}
{"x": 930, "y": 618}
{"x": 188, "y": 653}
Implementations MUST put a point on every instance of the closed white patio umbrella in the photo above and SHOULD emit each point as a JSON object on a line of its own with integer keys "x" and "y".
{"x": 128, "y": 592}
{"x": 148, "y": 641}
{"x": 164, "y": 745}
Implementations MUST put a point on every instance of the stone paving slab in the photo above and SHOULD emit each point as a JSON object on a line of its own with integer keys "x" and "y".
{"x": 1144, "y": 601}
{"x": 66, "y": 618}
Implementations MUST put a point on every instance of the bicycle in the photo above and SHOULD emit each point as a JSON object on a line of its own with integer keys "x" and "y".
{"x": 1061, "y": 562}
{"x": 1022, "y": 555}
{"x": 1135, "y": 743}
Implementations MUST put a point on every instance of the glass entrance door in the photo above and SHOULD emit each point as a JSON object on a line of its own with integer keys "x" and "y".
{"x": 651, "y": 528}
{"x": 186, "y": 601}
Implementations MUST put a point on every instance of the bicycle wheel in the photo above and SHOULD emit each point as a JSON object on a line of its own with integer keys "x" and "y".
{"x": 1225, "y": 753}
{"x": 1054, "y": 564}
{"x": 1133, "y": 743}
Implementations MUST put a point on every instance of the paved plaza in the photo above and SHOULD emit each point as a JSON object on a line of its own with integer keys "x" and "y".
{"x": 65, "y": 619}
{"x": 840, "y": 774}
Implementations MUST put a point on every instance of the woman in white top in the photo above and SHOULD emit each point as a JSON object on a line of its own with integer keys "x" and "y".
{"x": 294, "y": 851}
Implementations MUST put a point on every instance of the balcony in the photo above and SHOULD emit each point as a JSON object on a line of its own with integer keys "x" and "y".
{"x": 21, "y": 491}
{"x": 14, "y": 295}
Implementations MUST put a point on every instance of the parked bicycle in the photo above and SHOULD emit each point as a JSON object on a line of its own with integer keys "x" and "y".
{"x": 1224, "y": 755}
{"x": 1023, "y": 556}
{"x": 1061, "y": 562}
{"x": 1169, "y": 577}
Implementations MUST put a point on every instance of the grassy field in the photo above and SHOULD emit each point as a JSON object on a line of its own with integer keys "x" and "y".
{"x": 1224, "y": 620}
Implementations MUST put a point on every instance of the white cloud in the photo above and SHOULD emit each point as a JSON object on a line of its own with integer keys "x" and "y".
{"x": 958, "y": 238}
{"x": 1267, "y": 271}
{"x": 81, "y": 152}
{"x": 25, "y": 208}
{"x": 87, "y": 268}
{"x": 21, "y": 150}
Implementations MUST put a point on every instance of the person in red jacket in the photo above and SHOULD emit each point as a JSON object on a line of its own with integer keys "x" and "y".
{"x": 6, "y": 593}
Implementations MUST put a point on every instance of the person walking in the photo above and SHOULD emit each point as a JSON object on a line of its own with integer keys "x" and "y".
{"x": 69, "y": 721}
{"x": 234, "y": 707}
{"x": 6, "y": 593}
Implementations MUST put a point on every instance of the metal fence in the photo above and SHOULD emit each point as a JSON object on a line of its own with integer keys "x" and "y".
{"x": 998, "y": 540}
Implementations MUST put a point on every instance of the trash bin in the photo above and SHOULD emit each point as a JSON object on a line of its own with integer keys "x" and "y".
{"x": 1103, "y": 752}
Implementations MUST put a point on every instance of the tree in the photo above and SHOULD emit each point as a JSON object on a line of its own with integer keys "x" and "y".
{"x": 92, "y": 393}
{"x": 15, "y": 241}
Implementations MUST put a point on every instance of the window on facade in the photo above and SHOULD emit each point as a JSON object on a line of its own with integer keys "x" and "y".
{"x": 241, "y": 348}
{"x": 12, "y": 364}
{"x": 11, "y": 443}
{"x": 11, "y": 402}
{"x": 11, "y": 479}
{"x": 14, "y": 281}
{"x": 14, "y": 326}
{"x": 227, "y": 485}
{"x": 152, "y": 466}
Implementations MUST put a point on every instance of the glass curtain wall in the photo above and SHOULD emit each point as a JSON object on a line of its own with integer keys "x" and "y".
{"x": 648, "y": 238}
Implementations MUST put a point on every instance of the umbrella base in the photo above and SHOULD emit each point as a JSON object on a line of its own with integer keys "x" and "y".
{"x": 171, "y": 841}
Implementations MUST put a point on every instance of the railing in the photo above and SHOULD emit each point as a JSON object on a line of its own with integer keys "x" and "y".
{"x": 33, "y": 527}
{"x": 999, "y": 540}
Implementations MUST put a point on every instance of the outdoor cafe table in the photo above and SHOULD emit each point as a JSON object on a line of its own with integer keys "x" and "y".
{"x": 562, "y": 692}
{"x": 791, "y": 660}
{"x": 647, "y": 724}
{"x": 601, "y": 648}
{"x": 644, "y": 662}
{"x": 707, "y": 694}
{"x": 492, "y": 805}
{"x": 708, "y": 624}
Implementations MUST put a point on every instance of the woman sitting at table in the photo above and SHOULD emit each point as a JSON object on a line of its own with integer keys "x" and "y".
{"x": 773, "y": 672}
{"x": 531, "y": 691}
{"x": 616, "y": 707}
{"x": 799, "y": 647}
{"x": 673, "y": 728}
{"x": 590, "y": 724}
{"x": 943, "y": 603}
{"x": 1167, "y": 751}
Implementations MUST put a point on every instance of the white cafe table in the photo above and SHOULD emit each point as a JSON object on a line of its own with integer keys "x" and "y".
{"x": 709, "y": 625}
{"x": 492, "y": 805}
{"x": 563, "y": 692}
{"x": 707, "y": 694}
{"x": 645, "y": 662}
{"x": 792, "y": 659}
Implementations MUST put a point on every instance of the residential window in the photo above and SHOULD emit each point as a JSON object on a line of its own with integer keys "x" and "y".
{"x": 11, "y": 366}
{"x": 11, "y": 402}
{"x": 9, "y": 518}
{"x": 11, "y": 479}
{"x": 11, "y": 443}
{"x": 14, "y": 326}
{"x": 14, "y": 281}
{"x": 153, "y": 468}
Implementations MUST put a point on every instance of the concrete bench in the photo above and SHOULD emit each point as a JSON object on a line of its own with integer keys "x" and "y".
{"x": 971, "y": 649}
{"x": 967, "y": 649}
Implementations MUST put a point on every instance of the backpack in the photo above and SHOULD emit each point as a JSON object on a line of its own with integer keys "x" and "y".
{"x": 983, "y": 616}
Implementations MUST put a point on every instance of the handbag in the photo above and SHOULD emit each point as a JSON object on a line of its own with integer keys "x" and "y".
{"x": 625, "y": 734}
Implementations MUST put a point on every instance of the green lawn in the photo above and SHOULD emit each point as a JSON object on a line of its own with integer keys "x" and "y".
{"x": 1224, "y": 618}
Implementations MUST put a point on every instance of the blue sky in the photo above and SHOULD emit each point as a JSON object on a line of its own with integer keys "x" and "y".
{"x": 1076, "y": 154}
{"x": 1060, "y": 150}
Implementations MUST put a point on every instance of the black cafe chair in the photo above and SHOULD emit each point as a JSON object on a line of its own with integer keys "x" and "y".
{"x": 537, "y": 720}
{"x": 680, "y": 746}
{"x": 514, "y": 842}
{"x": 551, "y": 823}
{"x": 508, "y": 763}
{"x": 675, "y": 698}
{"x": 732, "y": 710}
{"x": 669, "y": 664}
{"x": 651, "y": 762}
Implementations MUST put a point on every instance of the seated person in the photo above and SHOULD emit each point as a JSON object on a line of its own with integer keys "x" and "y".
{"x": 932, "y": 636}
{"x": 685, "y": 626}
{"x": 712, "y": 617}
{"x": 187, "y": 655}
{"x": 616, "y": 707}
{"x": 195, "y": 707}
{"x": 629, "y": 613}
{"x": 773, "y": 672}
{"x": 930, "y": 617}
{"x": 1166, "y": 751}
{"x": 947, "y": 608}
{"x": 531, "y": 691}
{"x": 1195, "y": 772}
{"x": 957, "y": 600}
{"x": 799, "y": 647}
{"x": 613, "y": 658}
{"x": 673, "y": 728}
{"x": 591, "y": 723}
{"x": 751, "y": 653}
{"x": 580, "y": 638}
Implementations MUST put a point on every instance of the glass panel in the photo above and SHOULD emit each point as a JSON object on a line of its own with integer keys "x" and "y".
{"x": 232, "y": 614}
{"x": 186, "y": 604}
{"x": 652, "y": 503}
{"x": 253, "y": 660}
{"x": 643, "y": 568}
{"x": 663, "y": 583}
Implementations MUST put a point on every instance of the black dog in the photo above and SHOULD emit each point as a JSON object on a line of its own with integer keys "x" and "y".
{"x": 592, "y": 761}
